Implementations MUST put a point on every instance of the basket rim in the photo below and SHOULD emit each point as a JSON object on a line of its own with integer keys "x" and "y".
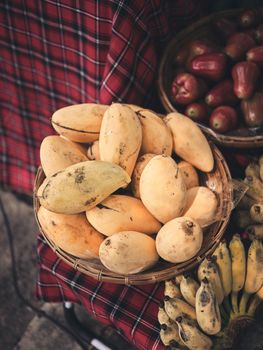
{"x": 146, "y": 277}
{"x": 221, "y": 139}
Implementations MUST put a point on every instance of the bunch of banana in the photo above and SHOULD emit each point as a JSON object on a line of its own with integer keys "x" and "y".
{"x": 248, "y": 214}
{"x": 198, "y": 311}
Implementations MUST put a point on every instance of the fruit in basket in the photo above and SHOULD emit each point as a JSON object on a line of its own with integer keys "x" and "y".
{"x": 57, "y": 153}
{"x": 252, "y": 110}
{"x": 100, "y": 188}
{"x": 156, "y": 137}
{"x": 189, "y": 142}
{"x": 72, "y": 233}
{"x": 197, "y": 111}
{"x": 225, "y": 27}
{"x": 128, "y": 252}
{"x": 201, "y": 205}
{"x": 141, "y": 163}
{"x": 81, "y": 186}
{"x": 223, "y": 119}
{"x": 209, "y": 65}
{"x": 93, "y": 152}
{"x": 200, "y": 46}
{"x": 259, "y": 34}
{"x": 122, "y": 213}
{"x": 255, "y": 55}
{"x": 189, "y": 173}
{"x": 220, "y": 52}
{"x": 238, "y": 44}
{"x": 222, "y": 94}
{"x": 162, "y": 188}
{"x": 186, "y": 88}
{"x": 248, "y": 18}
{"x": 245, "y": 76}
{"x": 79, "y": 123}
{"x": 120, "y": 136}
{"x": 179, "y": 239}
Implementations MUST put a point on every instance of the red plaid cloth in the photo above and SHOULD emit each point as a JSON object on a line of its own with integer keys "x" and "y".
{"x": 132, "y": 310}
{"x": 54, "y": 53}
{"x": 57, "y": 53}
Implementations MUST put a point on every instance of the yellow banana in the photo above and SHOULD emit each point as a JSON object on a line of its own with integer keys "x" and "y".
{"x": 238, "y": 259}
{"x": 208, "y": 269}
{"x": 162, "y": 316}
{"x": 207, "y": 309}
{"x": 171, "y": 289}
{"x": 223, "y": 262}
{"x": 174, "y": 307}
{"x": 169, "y": 335}
{"x": 191, "y": 336}
{"x": 188, "y": 288}
{"x": 169, "y": 332}
{"x": 254, "y": 275}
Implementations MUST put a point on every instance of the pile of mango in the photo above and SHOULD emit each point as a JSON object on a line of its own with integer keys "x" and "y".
{"x": 122, "y": 186}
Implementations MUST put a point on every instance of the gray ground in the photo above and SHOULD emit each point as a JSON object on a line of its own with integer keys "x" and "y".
{"x": 21, "y": 328}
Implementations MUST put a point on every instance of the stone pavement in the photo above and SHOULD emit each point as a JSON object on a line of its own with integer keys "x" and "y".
{"x": 21, "y": 328}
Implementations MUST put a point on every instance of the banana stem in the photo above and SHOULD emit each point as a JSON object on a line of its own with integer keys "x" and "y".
{"x": 243, "y": 303}
{"x": 227, "y": 305}
{"x": 256, "y": 301}
{"x": 234, "y": 302}
{"x": 224, "y": 315}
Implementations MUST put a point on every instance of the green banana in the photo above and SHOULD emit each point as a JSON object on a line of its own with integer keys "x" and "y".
{"x": 191, "y": 336}
{"x": 188, "y": 288}
{"x": 254, "y": 275}
{"x": 207, "y": 309}
{"x": 208, "y": 269}
{"x": 175, "y": 307}
{"x": 238, "y": 259}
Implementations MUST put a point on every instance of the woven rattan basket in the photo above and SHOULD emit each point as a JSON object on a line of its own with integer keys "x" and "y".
{"x": 240, "y": 138}
{"x": 219, "y": 180}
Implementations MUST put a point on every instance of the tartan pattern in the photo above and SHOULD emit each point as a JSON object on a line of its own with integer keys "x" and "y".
{"x": 132, "y": 310}
{"x": 54, "y": 53}
{"x": 57, "y": 53}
